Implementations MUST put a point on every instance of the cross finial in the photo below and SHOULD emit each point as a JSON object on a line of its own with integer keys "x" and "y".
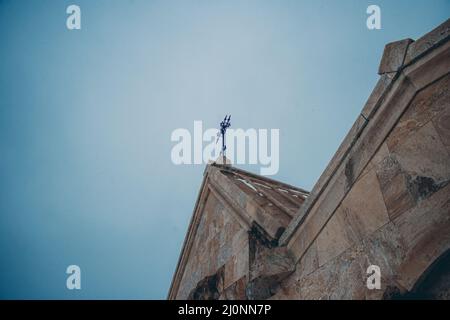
{"x": 224, "y": 125}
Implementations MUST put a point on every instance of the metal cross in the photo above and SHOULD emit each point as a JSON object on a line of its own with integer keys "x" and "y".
{"x": 224, "y": 125}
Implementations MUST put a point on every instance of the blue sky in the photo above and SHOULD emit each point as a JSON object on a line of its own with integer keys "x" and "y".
{"x": 86, "y": 117}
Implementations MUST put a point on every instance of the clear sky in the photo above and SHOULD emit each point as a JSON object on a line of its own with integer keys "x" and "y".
{"x": 86, "y": 116}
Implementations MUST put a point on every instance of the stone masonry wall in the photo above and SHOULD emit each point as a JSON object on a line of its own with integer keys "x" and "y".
{"x": 396, "y": 215}
{"x": 220, "y": 252}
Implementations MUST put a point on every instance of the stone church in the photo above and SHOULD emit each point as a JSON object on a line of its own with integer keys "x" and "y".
{"x": 383, "y": 200}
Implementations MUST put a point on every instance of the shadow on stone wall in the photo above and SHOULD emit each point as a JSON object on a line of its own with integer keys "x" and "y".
{"x": 434, "y": 284}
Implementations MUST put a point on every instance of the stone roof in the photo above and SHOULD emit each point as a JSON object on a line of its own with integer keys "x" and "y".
{"x": 268, "y": 203}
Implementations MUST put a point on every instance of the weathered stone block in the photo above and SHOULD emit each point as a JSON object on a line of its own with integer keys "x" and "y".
{"x": 337, "y": 279}
{"x": 242, "y": 261}
{"x": 268, "y": 268}
{"x": 393, "y": 56}
{"x": 427, "y": 104}
{"x": 425, "y": 233}
{"x": 230, "y": 272}
{"x": 376, "y": 160}
{"x": 441, "y": 122}
{"x": 271, "y": 261}
{"x": 423, "y": 154}
{"x": 309, "y": 262}
{"x": 236, "y": 291}
{"x": 334, "y": 238}
{"x": 365, "y": 206}
{"x": 344, "y": 277}
{"x": 393, "y": 183}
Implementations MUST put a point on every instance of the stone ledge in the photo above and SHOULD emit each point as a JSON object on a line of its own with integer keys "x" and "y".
{"x": 428, "y": 42}
{"x": 394, "y": 56}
